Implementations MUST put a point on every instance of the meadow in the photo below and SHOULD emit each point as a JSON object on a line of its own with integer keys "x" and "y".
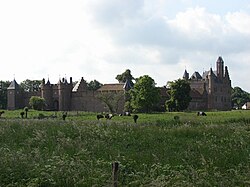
{"x": 162, "y": 149}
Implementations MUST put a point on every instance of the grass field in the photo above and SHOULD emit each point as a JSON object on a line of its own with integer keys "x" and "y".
{"x": 166, "y": 149}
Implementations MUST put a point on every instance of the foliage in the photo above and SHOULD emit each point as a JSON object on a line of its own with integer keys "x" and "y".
{"x": 30, "y": 85}
{"x": 239, "y": 97}
{"x": 3, "y": 94}
{"x": 111, "y": 100}
{"x": 179, "y": 95}
{"x": 157, "y": 152}
{"x": 94, "y": 85}
{"x": 144, "y": 95}
{"x": 122, "y": 78}
{"x": 37, "y": 103}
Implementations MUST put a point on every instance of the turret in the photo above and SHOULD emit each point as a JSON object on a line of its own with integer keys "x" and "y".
{"x": 211, "y": 79}
{"x": 226, "y": 73}
{"x": 185, "y": 75}
{"x": 14, "y": 96}
{"x": 47, "y": 94}
{"x": 220, "y": 68}
{"x": 127, "y": 86}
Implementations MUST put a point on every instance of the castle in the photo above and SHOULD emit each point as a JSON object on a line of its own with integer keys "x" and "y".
{"x": 211, "y": 91}
{"x": 64, "y": 97}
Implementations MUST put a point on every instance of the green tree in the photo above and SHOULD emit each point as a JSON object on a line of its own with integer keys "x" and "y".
{"x": 3, "y": 94}
{"x": 179, "y": 95}
{"x": 94, "y": 85}
{"x": 111, "y": 100}
{"x": 144, "y": 95}
{"x": 37, "y": 103}
{"x": 239, "y": 97}
{"x": 122, "y": 78}
{"x": 30, "y": 85}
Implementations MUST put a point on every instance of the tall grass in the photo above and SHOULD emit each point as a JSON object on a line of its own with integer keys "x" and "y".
{"x": 161, "y": 150}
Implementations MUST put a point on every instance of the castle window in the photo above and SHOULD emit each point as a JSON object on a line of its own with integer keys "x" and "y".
{"x": 215, "y": 99}
{"x": 221, "y": 99}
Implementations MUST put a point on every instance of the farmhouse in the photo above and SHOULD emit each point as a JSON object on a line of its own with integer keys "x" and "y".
{"x": 211, "y": 91}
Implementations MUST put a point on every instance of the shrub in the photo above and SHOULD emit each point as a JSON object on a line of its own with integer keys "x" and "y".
{"x": 37, "y": 103}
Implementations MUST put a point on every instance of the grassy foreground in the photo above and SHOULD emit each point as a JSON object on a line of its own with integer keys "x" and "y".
{"x": 169, "y": 149}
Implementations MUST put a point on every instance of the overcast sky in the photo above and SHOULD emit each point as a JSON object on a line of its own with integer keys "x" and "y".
{"x": 98, "y": 39}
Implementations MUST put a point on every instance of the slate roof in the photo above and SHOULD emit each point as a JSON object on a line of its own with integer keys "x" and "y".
{"x": 80, "y": 85}
{"x": 13, "y": 85}
{"x": 127, "y": 86}
{"x": 196, "y": 75}
{"x": 112, "y": 87}
{"x": 185, "y": 75}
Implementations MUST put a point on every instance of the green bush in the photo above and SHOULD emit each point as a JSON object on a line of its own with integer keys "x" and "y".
{"x": 37, "y": 103}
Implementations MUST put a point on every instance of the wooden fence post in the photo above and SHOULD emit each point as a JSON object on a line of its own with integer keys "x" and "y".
{"x": 115, "y": 167}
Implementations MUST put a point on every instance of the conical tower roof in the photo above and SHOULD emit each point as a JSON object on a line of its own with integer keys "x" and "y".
{"x": 13, "y": 85}
{"x": 127, "y": 86}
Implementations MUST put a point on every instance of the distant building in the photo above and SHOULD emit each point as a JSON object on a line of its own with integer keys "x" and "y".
{"x": 212, "y": 90}
{"x": 64, "y": 97}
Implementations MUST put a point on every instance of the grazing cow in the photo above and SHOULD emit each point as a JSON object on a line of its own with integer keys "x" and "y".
{"x": 135, "y": 117}
{"x": 125, "y": 114}
{"x": 108, "y": 116}
{"x": 1, "y": 113}
{"x": 64, "y": 115}
{"x": 201, "y": 114}
{"x": 99, "y": 116}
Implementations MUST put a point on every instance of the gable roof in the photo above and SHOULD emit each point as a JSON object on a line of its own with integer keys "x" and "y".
{"x": 112, "y": 87}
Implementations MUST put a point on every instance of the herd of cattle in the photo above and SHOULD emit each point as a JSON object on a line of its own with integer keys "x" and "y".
{"x": 109, "y": 116}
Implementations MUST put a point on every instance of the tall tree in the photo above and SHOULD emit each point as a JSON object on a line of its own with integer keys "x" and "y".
{"x": 111, "y": 100}
{"x": 239, "y": 97}
{"x": 179, "y": 95}
{"x": 3, "y": 94}
{"x": 144, "y": 95}
{"x": 122, "y": 78}
{"x": 94, "y": 85}
{"x": 30, "y": 85}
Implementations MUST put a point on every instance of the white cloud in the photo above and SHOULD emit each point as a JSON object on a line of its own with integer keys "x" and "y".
{"x": 196, "y": 23}
{"x": 239, "y": 21}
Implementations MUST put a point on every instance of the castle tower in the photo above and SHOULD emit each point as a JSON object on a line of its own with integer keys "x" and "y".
{"x": 220, "y": 68}
{"x": 64, "y": 92}
{"x": 211, "y": 81}
{"x": 47, "y": 94}
{"x": 14, "y": 96}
